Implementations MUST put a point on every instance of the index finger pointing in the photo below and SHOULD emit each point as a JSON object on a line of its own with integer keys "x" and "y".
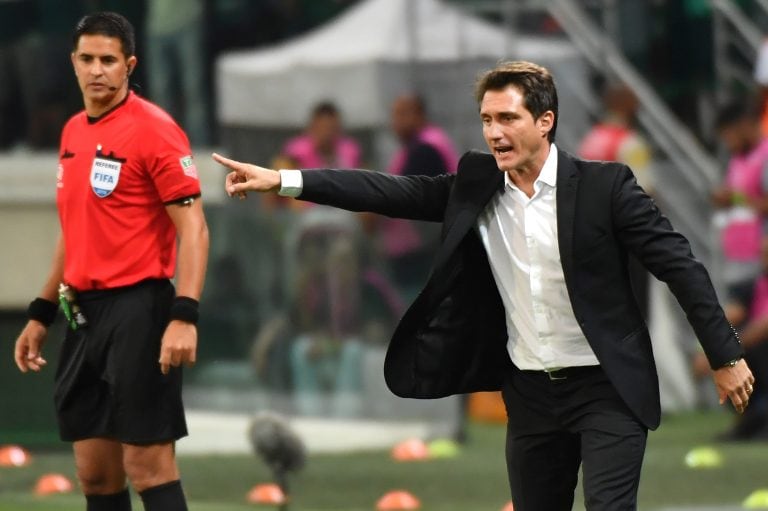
{"x": 232, "y": 164}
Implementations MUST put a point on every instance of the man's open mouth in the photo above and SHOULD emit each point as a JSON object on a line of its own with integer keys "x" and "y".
{"x": 503, "y": 149}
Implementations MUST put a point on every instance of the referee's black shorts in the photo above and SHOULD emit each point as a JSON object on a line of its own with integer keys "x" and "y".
{"x": 108, "y": 382}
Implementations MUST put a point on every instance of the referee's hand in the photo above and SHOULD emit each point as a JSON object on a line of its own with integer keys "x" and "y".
{"x": 28, "y": 347}
{"x": 179, "y": 345}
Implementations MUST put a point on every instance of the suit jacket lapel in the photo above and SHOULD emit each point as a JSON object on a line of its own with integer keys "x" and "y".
{"x": 467, "y": 217}
{"x": 567, "y": 188}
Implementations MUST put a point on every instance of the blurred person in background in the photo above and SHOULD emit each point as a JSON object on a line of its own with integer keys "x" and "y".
{"x": 323, "y": 145}
{"x": 529, "y": 294}
{"x": 35, "y": 96}
{"x": 761, "y": 78}
{"x": 127, "y": 192}
{"x": 425, "y": 149}
{"x": 747, "y": 310}
{"x": 326, "y": 354}
{"x": 177, "y": 64}
{"x": 339, "y": 303}
{"x": 741, "y": 201}
{"x": 323, "y": 360}
{"x": 58, "y": 97}
{"x": 615, "y": 136}
{"x": 15, "y": 31}
{"x": 338, "y": 309}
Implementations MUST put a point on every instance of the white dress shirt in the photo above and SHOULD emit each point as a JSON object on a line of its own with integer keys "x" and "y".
{"x": 520, "y": 237}
{"x": 291, "y": 183}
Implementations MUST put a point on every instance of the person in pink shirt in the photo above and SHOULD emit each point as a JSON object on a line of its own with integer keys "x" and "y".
{"x": 323, "y": 145}
{"x": 741, "y": 200}
{"x": 425, "y": 150}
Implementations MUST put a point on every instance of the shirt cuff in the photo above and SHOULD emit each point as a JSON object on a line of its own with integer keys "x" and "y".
{"x": 291, "y": 183}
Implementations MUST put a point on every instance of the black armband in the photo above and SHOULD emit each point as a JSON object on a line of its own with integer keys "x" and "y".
{"x": 185, "y": 309}
{"x": 183, "y": 201}
{"x": 42, "y": 310}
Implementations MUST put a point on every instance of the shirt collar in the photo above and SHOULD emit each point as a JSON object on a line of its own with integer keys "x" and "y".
{"x": 94, "y": 120}
{"x": 548, "y": 174}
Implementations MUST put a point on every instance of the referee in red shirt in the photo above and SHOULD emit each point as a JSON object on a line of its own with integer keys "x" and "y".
{"x": 127, "y": 189}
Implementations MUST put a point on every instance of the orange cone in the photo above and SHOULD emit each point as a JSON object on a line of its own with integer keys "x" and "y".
{"x": 50, "y": 484}
{"x": 14, "y": 456}
{"x": 266, "y": 494}
{"x": 410, "y": 450}
{"x": 398, "y": 500}
{"x": 508, "y": 507}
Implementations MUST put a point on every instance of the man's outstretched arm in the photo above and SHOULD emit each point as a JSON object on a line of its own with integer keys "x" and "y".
{"x": 413, "y": 197}
{"x": 667, "y": 255}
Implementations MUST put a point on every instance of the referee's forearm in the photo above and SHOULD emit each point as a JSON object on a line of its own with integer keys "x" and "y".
{"x": 192, "y": 262}
{"x": 193, "y": 252}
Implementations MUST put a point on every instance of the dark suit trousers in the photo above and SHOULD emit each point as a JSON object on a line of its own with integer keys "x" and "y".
{"x": 556, "y": 426}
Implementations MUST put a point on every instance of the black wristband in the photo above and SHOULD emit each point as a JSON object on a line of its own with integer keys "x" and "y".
{"x": 185, "y": 309}
{"x": 42, "y": 310}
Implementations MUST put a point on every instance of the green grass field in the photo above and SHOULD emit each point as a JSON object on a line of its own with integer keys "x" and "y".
{"x": 473, "y": 481}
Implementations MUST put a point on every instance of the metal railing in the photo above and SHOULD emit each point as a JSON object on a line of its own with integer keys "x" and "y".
{"x": 699, "y": 170}
{"x": 743, "y": 25}
{"x": 699, "y": 167}
{"x": 733, "y": 32}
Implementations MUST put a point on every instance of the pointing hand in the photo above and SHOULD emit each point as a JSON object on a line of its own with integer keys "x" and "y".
{"x": 245, "y": 177}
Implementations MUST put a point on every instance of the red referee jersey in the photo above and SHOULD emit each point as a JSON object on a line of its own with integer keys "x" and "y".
{"x": 116, "y": 175}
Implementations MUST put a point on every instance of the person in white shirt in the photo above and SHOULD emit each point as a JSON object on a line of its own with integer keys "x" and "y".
{"x": 530, "y": 294}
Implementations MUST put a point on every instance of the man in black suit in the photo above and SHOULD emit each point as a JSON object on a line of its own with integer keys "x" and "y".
{"x": 530, "y": 294}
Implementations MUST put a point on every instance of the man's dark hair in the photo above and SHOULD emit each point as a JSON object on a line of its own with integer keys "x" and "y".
{"x": 736, "y": 110}
{"x": 109, "y": 24}
{"x": 325, "y": 108}
{"x": 534, "y": 82}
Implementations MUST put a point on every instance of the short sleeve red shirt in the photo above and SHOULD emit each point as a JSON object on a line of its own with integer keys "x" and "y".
{"x": 116, "y": 175}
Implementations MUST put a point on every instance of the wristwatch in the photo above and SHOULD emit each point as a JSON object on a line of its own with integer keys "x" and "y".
{"x": 732, "y": 363}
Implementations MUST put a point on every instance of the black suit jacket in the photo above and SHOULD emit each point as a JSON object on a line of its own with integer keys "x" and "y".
{"x": 453, "y": 338}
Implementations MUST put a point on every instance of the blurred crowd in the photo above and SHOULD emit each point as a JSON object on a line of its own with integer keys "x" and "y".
{"x": 347, "y": 277}
{"x": 177, "y": 41}
{"x": 740, "y": 215}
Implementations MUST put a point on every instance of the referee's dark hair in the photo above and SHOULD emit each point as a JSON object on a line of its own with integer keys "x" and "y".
{"x": 109, "y": 24}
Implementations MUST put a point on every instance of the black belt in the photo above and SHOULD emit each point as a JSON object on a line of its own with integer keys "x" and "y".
{"x": 101, "y": 294}
{"x": 567, "y": 372}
